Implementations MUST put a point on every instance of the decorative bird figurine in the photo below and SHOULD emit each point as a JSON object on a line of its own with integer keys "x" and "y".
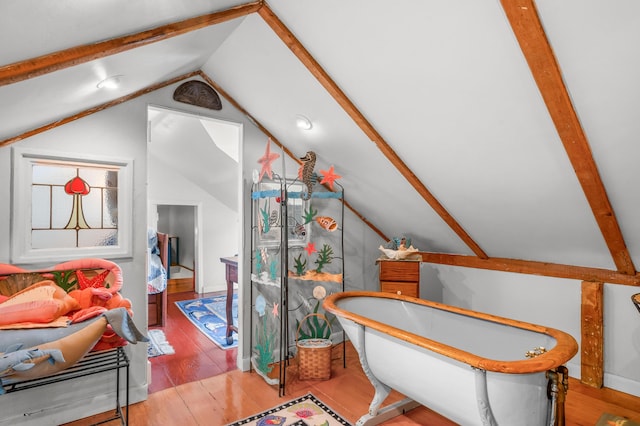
{"x": 306, "y": 172}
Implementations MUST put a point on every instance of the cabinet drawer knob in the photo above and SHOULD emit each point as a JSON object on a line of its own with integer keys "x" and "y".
{"x": 399, "y": 292}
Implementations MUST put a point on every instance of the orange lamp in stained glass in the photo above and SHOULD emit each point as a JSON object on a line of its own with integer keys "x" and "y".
{"x": 77, "y": 188}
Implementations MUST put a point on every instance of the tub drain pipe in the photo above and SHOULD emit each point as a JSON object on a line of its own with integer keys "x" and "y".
{"x": 552, "y": 394}
{"x": 482, "y": 397}
{"x": 556, "y": 391}
{"x": 564, "y": 388}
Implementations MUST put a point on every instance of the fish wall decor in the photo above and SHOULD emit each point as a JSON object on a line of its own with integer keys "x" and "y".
{"x": 327, "y": 223}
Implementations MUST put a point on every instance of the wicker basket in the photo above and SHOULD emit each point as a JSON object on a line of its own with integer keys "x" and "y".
{"x": 314, "y": 355}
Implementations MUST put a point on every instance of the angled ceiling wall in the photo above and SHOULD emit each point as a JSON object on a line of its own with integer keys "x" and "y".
{"x": 446, "y": 87}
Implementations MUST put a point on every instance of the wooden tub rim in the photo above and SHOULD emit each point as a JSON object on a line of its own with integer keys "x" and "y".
{"x": 566, "y": 346}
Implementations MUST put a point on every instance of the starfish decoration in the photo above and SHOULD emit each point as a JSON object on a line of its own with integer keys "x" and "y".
{"x": 274, "y": 311}
{"x": 328, "y": 176}
{"x": 266, "y": 161}
{"x": 95, "y": 282}
{"x": 310, "y": 248}
{"x": 309, "y": 215}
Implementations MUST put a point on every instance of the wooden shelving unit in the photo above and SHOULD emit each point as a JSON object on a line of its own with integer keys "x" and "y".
{"x": 281, "y": 292}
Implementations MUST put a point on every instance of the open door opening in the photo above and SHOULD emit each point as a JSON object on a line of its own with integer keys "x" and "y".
{"x": 194, "y": 196}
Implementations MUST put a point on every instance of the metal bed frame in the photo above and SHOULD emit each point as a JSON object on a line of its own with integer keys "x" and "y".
{"x": 92, "y": 363}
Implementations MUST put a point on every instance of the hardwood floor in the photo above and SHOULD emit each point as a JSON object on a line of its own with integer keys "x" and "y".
{"x": 196, "y": 356}
{"x": 201, "y": 386}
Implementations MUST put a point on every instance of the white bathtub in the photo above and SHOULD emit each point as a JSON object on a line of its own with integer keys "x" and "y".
{"x": 468, "y": 366}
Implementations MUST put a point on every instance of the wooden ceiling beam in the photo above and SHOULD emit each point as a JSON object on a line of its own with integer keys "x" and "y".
{"x": 332, "y": 88}
{"x": 55, "y": 61}
{"x": 526, "y": 25}
{"x": 533, "y": 268}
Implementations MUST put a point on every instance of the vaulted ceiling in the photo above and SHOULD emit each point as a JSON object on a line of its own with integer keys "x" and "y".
{"x": 500, "y": 131}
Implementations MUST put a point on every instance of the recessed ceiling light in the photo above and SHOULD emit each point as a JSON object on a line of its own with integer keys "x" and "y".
{"x": 303, "y": 122}
{"x": 112, "y": 82}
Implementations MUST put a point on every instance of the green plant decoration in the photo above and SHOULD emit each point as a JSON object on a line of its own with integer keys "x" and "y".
{"x": 264, "y": 349}
{"x": 273, "y": 270}
{"x": 63, "y": 280}
{"x": 325, "y": 256}
{"x": 315, "y": 328}
{"x": 259, "y": 261}
{"x": 300, "y": 266}
{"x": 266, "y": 226}
{"x": 309, "y": 215}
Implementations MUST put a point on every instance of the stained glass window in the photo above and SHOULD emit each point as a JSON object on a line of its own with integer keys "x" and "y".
{"x": 67, "y": 206}
{"x": 73, "y": 206}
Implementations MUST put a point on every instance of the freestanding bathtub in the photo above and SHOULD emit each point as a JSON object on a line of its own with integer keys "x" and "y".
{"x": 473, "y": 368}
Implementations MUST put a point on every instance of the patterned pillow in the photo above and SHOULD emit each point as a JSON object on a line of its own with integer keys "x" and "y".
{"x": 42, "y": 302}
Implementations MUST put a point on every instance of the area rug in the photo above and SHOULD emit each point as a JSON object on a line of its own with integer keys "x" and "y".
{"x": 158, "y": 344}
{"x": 611, "y": 420}
{"x": 209, "y": 315}
{"x": 304, "y": 411}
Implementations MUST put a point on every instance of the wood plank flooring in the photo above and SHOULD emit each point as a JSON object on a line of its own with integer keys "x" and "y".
{"x": 196, "y": 356}
{"x": 201, "y": 386}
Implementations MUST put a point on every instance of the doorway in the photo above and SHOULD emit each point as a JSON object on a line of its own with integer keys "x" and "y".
{"x": 179, "y": 223}
{"x": 194, "y": 178}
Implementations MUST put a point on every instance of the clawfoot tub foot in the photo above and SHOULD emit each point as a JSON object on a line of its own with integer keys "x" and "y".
{"x": 388, "y": 412}
{"x": 382, "y": 392}
{"x": 376, "y": 415}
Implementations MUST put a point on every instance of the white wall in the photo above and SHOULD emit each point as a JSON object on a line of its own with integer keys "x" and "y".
{"x": 117, "y": 132}
{"x": 551, "y": 302}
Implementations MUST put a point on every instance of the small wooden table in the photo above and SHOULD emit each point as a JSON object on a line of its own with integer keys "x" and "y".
{"x": 231, "y": 273}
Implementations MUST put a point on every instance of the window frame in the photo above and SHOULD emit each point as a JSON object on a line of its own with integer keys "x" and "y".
{"x": 21, "y": 215}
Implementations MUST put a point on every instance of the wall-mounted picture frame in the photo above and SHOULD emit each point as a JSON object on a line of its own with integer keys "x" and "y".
{"x": 67, "y": 206}
{"x": 268, "y": 214}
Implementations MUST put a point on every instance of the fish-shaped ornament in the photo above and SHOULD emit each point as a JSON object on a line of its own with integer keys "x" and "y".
{"x": 299, "y": 230}
{"x": 327, "y": 223}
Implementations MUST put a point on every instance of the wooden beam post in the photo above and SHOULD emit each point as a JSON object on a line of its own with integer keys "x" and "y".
{"x": 592, "y": 330}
